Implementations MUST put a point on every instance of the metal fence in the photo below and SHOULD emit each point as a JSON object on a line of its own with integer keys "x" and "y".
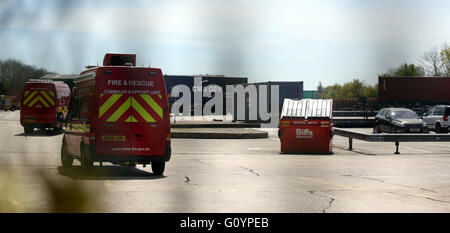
{"x": 397, "y": 138}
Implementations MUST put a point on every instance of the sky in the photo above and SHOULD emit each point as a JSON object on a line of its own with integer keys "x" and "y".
{"x": 331, "y": 41}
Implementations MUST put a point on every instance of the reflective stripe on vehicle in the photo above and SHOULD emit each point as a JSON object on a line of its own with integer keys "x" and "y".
{"x": 29, "y": 97}
{"x": 47, "y": 97}
{"x": 118, "y": 108}
{"x": 80, "y": 127}
{"x": 63, "y": 109}
{"x": 111, "y": 100}
{"x": 142, "y": 111}
{"x": 150, "y": 101}
{"x": 120, "y": 111}
{"x": 41, "y": 96}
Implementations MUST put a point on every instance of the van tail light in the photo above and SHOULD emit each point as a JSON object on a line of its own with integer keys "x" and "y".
{"x": 445, "y": 118}
{"x": 168, "y": 137}
{"x": 92, "y": 136}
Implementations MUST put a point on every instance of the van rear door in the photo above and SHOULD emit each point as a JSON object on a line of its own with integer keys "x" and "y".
{"x": 113, "y": 131}
{"x": 130, "y": 112}
{"x": 147, "y": 120}
{"x": 39, "y": 102}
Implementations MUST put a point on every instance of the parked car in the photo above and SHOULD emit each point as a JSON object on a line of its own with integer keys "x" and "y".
{"x": 437, "y": 118}
{"x": 399, "y": 120}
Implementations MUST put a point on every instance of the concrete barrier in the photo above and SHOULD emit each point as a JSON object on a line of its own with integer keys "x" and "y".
{"x": 218, "y": 133}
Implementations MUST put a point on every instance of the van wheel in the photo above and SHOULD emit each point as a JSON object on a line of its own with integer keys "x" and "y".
{"x": 158, "y": 168}
{"x": 86, "y": 162}
{"x": 28, "y": 130}
{"x": 66, "y": 159}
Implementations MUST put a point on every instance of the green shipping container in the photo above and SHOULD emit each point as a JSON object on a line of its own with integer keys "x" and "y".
{"x": 310, "y": 94}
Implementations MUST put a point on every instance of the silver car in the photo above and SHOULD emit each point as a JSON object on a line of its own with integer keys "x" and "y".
{"x": 437, "y": 118}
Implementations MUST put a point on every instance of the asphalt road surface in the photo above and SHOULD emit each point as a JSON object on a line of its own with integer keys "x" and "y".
{"x": 225, "y": 175}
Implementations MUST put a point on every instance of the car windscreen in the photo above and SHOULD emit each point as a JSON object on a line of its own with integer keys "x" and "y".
{"x": 405, "y": 115}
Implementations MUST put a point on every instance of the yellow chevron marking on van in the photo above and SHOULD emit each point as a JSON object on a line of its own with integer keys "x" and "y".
{"x": 118, "y": 113}
{"x": 51, "y": 93}
{"x": 142, "y": 111}
{"x": 43, "y": 102}
{"x": 36, "y": 99}
{"x": 29, "y": 97}
{"x": 26, "y": 93}
{"x": 160, "y": 96}
{"x": 131, "y": 119}
{"x": 48, "y": 98}
{"x": 153, "y": 105}
{"x": 131, "y": 102}
{"x": 105, "y": 106}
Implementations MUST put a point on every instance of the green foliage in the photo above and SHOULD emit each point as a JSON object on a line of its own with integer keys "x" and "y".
{"x": 14, "y": 74}
{"x": 445, "y": 58}
{"x": 408, "y": 70}
{"x": 405, "y": 70}
{"x": 353, "y": 89}
{"x": 433, "y": 63}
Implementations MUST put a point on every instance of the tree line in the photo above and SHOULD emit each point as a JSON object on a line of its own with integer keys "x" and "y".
{"x": 434, "y": 63}
{"x": 353, "y": 89}
{"x": 14, "y": 74}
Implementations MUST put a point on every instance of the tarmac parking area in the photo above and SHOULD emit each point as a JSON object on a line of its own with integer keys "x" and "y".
{"x": 230, "y": 175}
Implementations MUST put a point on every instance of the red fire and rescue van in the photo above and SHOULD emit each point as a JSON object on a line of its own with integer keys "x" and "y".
{"x": 119, "y": 114}
{"x": 44, "y": 105}
{"x": 8, "y": 103}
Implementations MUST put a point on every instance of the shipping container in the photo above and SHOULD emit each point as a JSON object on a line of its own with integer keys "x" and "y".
{"x": 286, "y": 90}
{"x": 310, "y": 94}
{"x": 355, "y": 104}
{"x": 346, "y": 104}
{"x": 206, "y": 80}
{"x": 413, "y": 91}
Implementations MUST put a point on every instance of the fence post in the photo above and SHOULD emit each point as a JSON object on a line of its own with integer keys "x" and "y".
{"x": 396, "y": 148}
